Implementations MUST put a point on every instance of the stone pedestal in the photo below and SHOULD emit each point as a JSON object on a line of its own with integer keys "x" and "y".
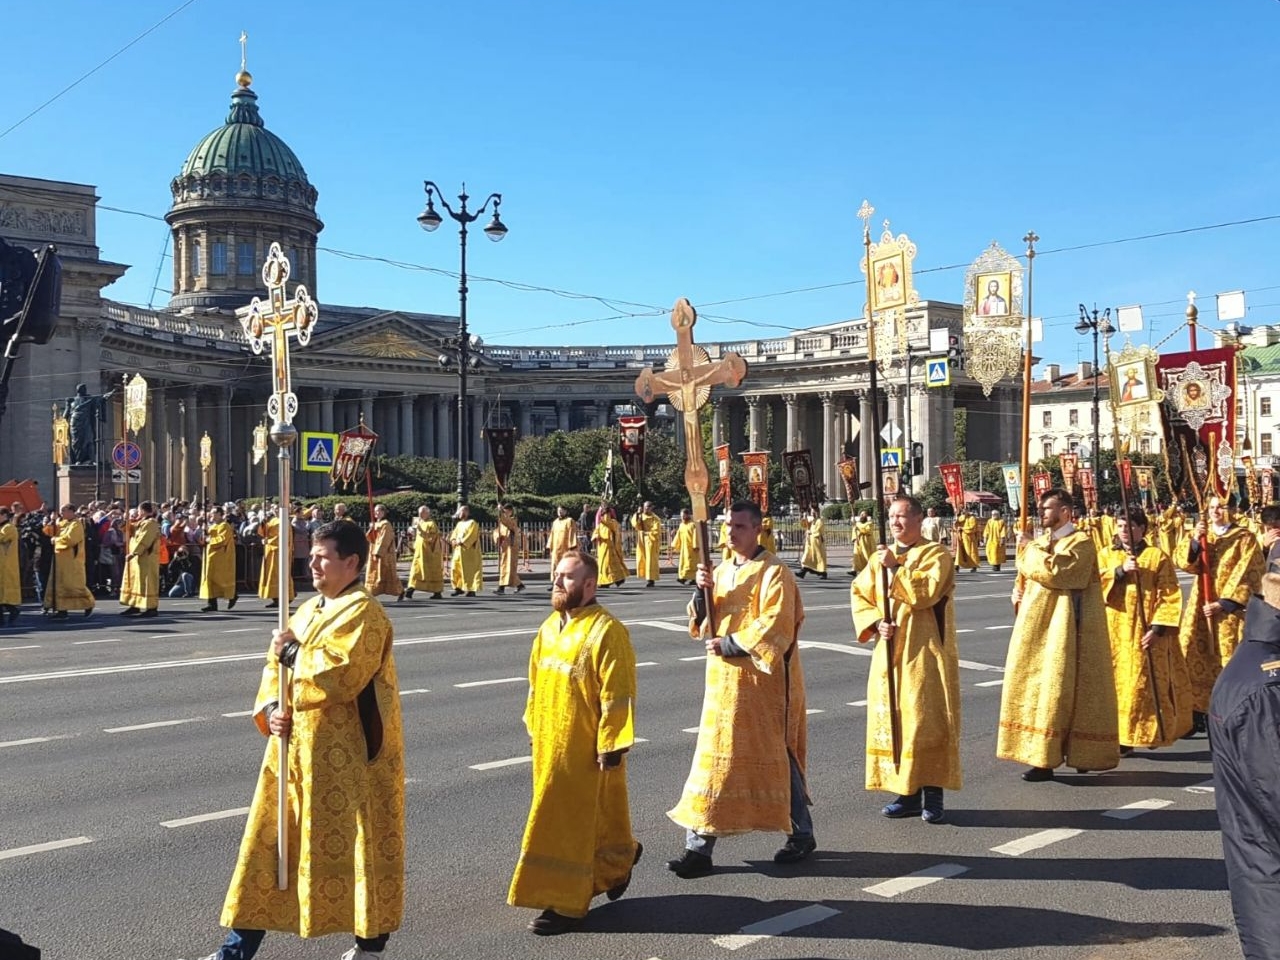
{"x": 77, "y": 485}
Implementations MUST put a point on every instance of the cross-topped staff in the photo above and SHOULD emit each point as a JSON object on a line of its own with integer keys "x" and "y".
{"x": 687, "y": 381}
{"x": 272, "y": 323}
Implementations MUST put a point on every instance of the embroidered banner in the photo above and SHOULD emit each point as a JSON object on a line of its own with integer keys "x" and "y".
{"x": 502, "y": 451}
{"x": 351, "y": 459}
{"x": 1087, "y": 488}
{"x": 757, "y": 464}
{"x": 953, "y": 480}
{"x": 631, "y": 432}
{"x": 1268, "y": 491}
{"x": 1013, "y": 485}
{"x": 1126, "y": 473}
{"x": 848, "y": 468}
{"x": 1251, "y": 485}
{"x": 1146, "y": 479}
{"x": 1199, "y": 414}
{"x": 1070, "y": 463}
{"x": 1041, "y": 483}
{"x": 799, "y": 464}
{"x": 722, "y": 491}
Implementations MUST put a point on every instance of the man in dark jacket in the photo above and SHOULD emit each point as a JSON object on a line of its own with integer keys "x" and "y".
{"x": 1244, "y": 715}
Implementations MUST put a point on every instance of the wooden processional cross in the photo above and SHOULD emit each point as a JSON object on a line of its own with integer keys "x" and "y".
{"x": 272, "y": 324}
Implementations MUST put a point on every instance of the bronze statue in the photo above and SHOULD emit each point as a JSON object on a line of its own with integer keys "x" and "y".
{"x": 85, "y": 412}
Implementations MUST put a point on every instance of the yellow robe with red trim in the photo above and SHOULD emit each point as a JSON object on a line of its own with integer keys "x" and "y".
{"x": 648, "y": 545}
{"x": 582, "y": 689}
{"x": 926, "y": 669}
{"x": 466, "y": 567}
{"x": 608, "y": 538}
{"x": 141, "y": 588}
{"x": 218, "y": 574}
{"x": 427, "y": 570}
{"x": 381, "y": 576}
{"x": 69, "y": 591}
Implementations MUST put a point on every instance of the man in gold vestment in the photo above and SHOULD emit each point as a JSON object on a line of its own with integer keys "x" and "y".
{"x": 965, "y": 533}
{"x": 563, "y": 538}
{"x": 1059, "y": 697}
{"x": 381, "y": 576}
{"x": 608, "y": 540}
{"x": 10, "y": 576}
{"x": 922, "y": 631}
{"x": 748, "y": 768}
{"x": 268, "y": 576}
{"x": 580, "y": 717}
{"x": 994, "y": 535}
{"x": 346, "y": 770}
{"x": 1169, "y": 529}
{"x": 814, "y": 558}
{"x": 1133, "y": 634}
{"x": 142, "y": 598}
{"x": 863, "y": 534}
{"x": 466, "y": 571}
{"x": 68, "y": 590}
{"x": 767, "y": 539}
{"x": 648, "y": 528}
{"x": 218, "y": 575}
{"x": 687, "y": 548}
{"x": 427, "y": 570}
{"x": 508, "y": 536}
{"x": 1212, "y": 626}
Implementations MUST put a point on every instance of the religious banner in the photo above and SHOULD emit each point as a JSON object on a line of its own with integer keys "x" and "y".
{"x": 757, "y": 464}
{"x": 1070, "y": 463}
{"x": 891, "y": 479}
{"x": 799, "y": 464}
{"x": 1126, "y": 473}
{"x": 890, "y": 291}
{"x": 1253, "y": 489}
{"x": 352, "y": 455}
{"x": 1087, "y": 488}
{"x": 722, "y": 463}
{"x": 1041, "y": 483}
{"x": 993, "y": 313}
{"x": 206, "y": 451}
{"x": 135, "y": 403}
{"x": 1199, "y": 414}
{"x": 61, "y": 437}
{"x": 1146, "y": 479}
{"x": 953, "y": 480}
{"x": 1012, "y": 473}
{"x": 631, "y": 430}
{"x": 848, "y": 468}
{"x": 1268, "y": 491}
{"x": 502, "y": 453}
{"x": 260, "y": 434}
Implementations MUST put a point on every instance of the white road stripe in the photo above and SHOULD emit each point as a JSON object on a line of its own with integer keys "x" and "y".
{"x": 647, "y": 663}
{"x": 690, "y": 729}
{"x": 1131, "y": 810}
{"x": 29, "y": 646}
{"x": 495, "y": 764}
{"x": 1205, "y": 787}
{"x": 661, "y": 625}
{"x": 405, "y": 693}
{"x": 23, "y": 743}
{"x": 152, "y": 726}
{"x": 974, "y": 665}
{"x": 814, "y": 710}
{"x": 990, "y": 683}
{"x": 857, "y": 703}
{"x": 245, "y": 630}
{"x": 43, "y": 847}
{"x": 914, "y": 881}
{"x": 834, "y": 647}
{"x": 1016, "y": 848}
{"x": 701, "y": 656}
{"x": 205, "y": 817}
{"x": 1001, "y": 626}
{"x": 964, "y": 630}
{"x": 784, "y": 923}
{"x": 489, "y": 683}
{"x": 81, "y": 643}
{"x": 169, "y": 636}
{"x": 240, "y": 713}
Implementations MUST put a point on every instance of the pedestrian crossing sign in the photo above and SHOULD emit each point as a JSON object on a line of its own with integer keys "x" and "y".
{"x": 891, "y": 458}
{"x": 937, "y": 372}
{"x": 317, "y": 451}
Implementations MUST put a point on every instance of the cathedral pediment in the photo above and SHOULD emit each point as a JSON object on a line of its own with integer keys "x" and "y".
{"x": 388, "y": 345}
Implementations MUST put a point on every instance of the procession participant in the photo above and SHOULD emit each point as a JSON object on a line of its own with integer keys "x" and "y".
{"x": 1212, "y": 626}
{"x": 507, "y": 535}
{"x": 143, "y": 576}
{"x": 563, "y": 538}
{"x": 268, "y": 577}
{"x": 346, "y": 770}
{"x": 748, "y": 770}
{"x": 10, "y": 577}
{"x": 607, "y": 535}
{"x": 340, "y": 513}
{"x": 65, "y": 589}
{"x": 723, "y": 545}
{"x": 427, "y": 570}
{"x": 994, "y": 535}
{"x": 218, "y": 578}
{"x": 767, "y": 539}
{"x": 380, "y": 574}
{"x": 580, "y": 717}
{"x": 1144, "y": 640}
{"x": 814, "y": 558}
{"x": 687, "y": 549}
{"x": 1170, "y": 528}
{"x": 1059, "y": 695}
{"x": 931, "y": 528}
{"x": 863, "y": 535}
{"x": 1269, "y": 539}
{"x": 965, "y": 532}
{"x": 648, "y": 528}
{"x": 921, "y": 632}
{"x": 465, "y": 565}
{"x": 586, "y": 524}
{"x": 301, "y": 542}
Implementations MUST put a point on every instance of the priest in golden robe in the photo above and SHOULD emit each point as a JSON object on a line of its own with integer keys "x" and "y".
{"x": 648, "y": 528}
{"x": 863, "y": 534}
{"x": 562, "y": 539}
{"x": 465, "y": 566}
{"x": 767, "y": 539}
{"x": 508, "y": 536}
{"x": 1059, "y": 697}
{"x": 722, "y": 544}
{"x": 346, "y": 770}
{"x": 607, "y": 537}
{"x": 68, "y": 590}
{"x": 748, "y": 770}
{"x": 1134, "y": 632}
{"x": 1169, "y": 529}
{"x": 921, "y": 629}
{"x": 994, "y": 535}
{"x": 814, "y": 557}
{"x": 381, "y": 576}
{"x": 580, "y": 716}
{"x": 10, "y": 575}
{"x": 1212, "y": 626}
{"x": 965, "y": 534}
{"x": 685, "y": 544}
{"x": 142, "y": 562}
{"x": 218, "y": 574}
{"x": 426, "y": 572}
{"x": 268, "y": 575}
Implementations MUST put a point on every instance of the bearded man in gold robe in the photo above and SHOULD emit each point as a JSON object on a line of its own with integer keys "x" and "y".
{"x": 580, "y": 716}
{"x": 648, "y": 528}
{"x": 814, "y": 557}
{"x": 426, "y": 573}
{"x": 748, "y": 768}
{"x": 465, "y": 567}
{"x": 1058, "y": 703}
{"x": 141, "y": 592}
{"x": 218, "y": 573}
{"x": 562, "y": 539}
{"x": 68, "y": 590}
{"x": 507, "y": 534}
{"x": 919, "y": 580}
{"x": 381, "y": 575}
{"x": 346, "y": 770}
{"x": 687, "y": 547}
{"x": 607, "y": 536}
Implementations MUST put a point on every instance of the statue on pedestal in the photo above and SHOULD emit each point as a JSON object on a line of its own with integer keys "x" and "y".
{"x": 85, "y": 412}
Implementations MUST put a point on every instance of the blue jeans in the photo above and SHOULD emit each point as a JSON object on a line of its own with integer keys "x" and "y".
{"x": 243, "y": 944}
{"x": 801, "y": 821}
{"x": 184, "y": 586}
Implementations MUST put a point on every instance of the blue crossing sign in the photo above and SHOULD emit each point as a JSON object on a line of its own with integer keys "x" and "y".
{"x": 891, "y": 458}
{"x": 937, "y": 372}
{"x": 317, "y": 451}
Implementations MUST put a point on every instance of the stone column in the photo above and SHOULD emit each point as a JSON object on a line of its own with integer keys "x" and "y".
{"x": 327, "y": 396}
{"x": 526, "y": 417}
{"x": 366, "y": 408}
{"x": 191, "y": 437}
{"x": 755, "y": 423}
{"x": 828, "y": 472}
{"x": 602, "y": 413}
{"x": 792, "y": 439}
{"x": 867, "y": 449}
{"x": 717, "y": 421}
{"x": 479, "y": 449}
{"x": 563, "y": 407}
{"x": 407, "y": 439}
{"x": 425, "y": 417}
{"x": 446, "y": 406}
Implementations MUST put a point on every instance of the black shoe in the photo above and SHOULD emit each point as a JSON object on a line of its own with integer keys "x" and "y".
{"x": 500, "y": 591}
{"x": 621, "y": 582}
{"x": 618, "y": 889}
{"x": 793, "y": 851}
{"x": 88, "y": 613}
{"x": 471, "y": 593}
{"x": 209, "y": 607}
{"x": 550, "y": 587}
{"x": 60, "y": 615}
{"x": 681, "y": 582}
{"x": 549, "y": 923}
{"x": 995, "y": 569}
{"x": 823, "y": 575}
{"x": 932, "y": 810}
{"x": 649, "y": 583}
{"x": 147, "y": 614}
{"x": 456, "y": 593}
{"x": 1037, "y": 775}
{"x": 232, "y": 602}
{"x": 437, "y": 596}
{"x": 408, "y": 593}
{"x": 691, "y": 866}
{"x": 130, "y": 612}
{"x": 803, "y": 573}
{"x": 904, "y": 806}
{"x": 271, "y": 603}
{"x": 520, "y": 588}
{"x": 1126, "y": 751}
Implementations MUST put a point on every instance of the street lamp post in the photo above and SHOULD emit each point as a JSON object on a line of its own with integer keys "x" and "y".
{"x": 495, "y": 230}
{"x": 1097, "y": 324}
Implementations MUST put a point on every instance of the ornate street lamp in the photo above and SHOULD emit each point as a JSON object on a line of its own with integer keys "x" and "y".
{"x": 1097, "y": 324}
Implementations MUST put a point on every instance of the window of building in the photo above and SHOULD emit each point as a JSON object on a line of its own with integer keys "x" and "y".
{"x": 218, "y": 258}
{"x": 1047, "y": 418}
{"x": 1239, "y": 408}
{"x": 295, "y": 265}
{"x": 1264, "y": 445}
{"x": 1144, "y": 445}
{"x": 1264, "y": 406}
{"x": 1073, "y": 417}
{"x": 1073, "y": 446}
{"x": 246, "y": 262}
{"x": 195, "y": 258}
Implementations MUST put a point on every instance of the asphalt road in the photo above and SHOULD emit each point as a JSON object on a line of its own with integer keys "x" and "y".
{"x": 127, "y": 760}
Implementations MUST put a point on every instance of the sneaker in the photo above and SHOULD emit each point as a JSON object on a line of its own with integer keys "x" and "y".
{"x": 793, "y": 851}
{"x": 691, "y": 865}
{"x": 546, "y": 924}
{"x": 618, "y": 889}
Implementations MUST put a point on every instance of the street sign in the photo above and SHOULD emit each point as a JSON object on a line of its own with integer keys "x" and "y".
{"x": 118, "y": 476}
{"x": 855, "y": 426}
{"x": 939, "y": 340}
{"x": 891, "y": 433}
{"x": 126, "y": 455}
{"x": 937, "y": 372}
{"x": 318, "y": 451}
{"x": 891, "y": 457}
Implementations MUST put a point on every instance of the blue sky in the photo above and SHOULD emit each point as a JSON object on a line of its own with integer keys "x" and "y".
{"x": 711, "y": 150}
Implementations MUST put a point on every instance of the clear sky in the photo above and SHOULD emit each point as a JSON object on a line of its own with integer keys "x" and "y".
{"x": 712, "y": 150}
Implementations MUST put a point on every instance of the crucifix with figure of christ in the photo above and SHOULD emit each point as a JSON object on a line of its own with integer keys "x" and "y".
{"x": 687, "y": 381}
{"x": 272, "y": 324}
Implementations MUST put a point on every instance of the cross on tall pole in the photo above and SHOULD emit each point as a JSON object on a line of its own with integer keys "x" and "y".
{"x": 272, "y": 324}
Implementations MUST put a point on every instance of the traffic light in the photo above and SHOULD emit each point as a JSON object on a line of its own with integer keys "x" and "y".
{"x": 917, "y": 459}
{"x": 30, "y": 295}
{"x": 954, "y": 351}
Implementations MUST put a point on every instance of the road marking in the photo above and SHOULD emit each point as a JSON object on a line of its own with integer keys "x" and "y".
{"x": 834, "y": 647}
{"x": 244, "y": 630}
{"x": 29, "y": 646}
{"x": 985, "y": 596}
{"x": 1205, "y": 787}
{"x": 990, "y": 683}
{"x": 857, "y": 703}
{"x": 1002, "y": 626}
{"x": 964, "y": 630}
{"x": 130, "y": 668}
{"x": 814, "y": 710}
{"x": 169, "y": 636}
{"x": 405, "y": 693}
{"x": 240, "y": 713}
{"x": 701, "y": 656}
{"x": 974, "y": 665}
{"x": 783, "y": 923}
{"x": 495, "y": 764}
{"x": 489, "y": 683}
{"x": 1131, "y": 810}
{"x": 914, "y": 881}
{"x": 205, "y": 817}
{"x": 1016, "y": 848}
{"x": 81, "y": 643}
{"x": 662, "y": 625}
{"x": 23, "y": 743}
{"x": 43, "y": 847}
{"x": 647, "y": 663}
{"x": 690, "y": 729}
{"x": 152, "y": 726}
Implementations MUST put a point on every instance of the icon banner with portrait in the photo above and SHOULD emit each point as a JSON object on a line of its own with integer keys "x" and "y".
{"x": 1070, "y": 463}
{"x": 1012, "y": 473}
{"x": 502, "y": 454}
{"x": 993, "y": 317}
{"x": 757, "y": 464}
{"x": 1198, "y": 413}
{"x": 848, "y": 468}
{"x": 631, "y": 436}
{"x": 799, "y": 465}
{"x": 722, "y": 490}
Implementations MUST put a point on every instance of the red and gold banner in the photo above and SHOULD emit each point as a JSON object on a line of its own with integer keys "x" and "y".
{"x": 953, "y": 480}
{"x": 1199, "y": 412}
{"x": 631, "y": 432}
{"x": 502, "y": 453}
{"x": 1126, "y": 473}
{"x": 848, "y": 468}
{"x": 351, "y": 458}
{"x": 1251, "y": 485}
{"x": 1041, "y": 483}
{"x": 1088, "y": 489}
{"x": 757, "y": 464}
{"x": 1070, "y": 463}
{"x": 799, "y": 464}
{"x": 722, "y": 462}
